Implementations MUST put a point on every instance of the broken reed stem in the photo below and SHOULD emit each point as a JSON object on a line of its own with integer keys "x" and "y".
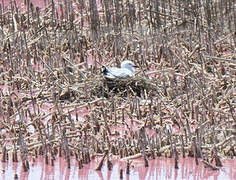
{"x": 109, "y": 164}
{"x": 4, "y": 155}
{"x": 99, "y": 167}
{"x": 176, "y": 154}
{"x": 135, "y": 156}
{"x": 210, "y": 165}
{"x": 195, "y": 151}
{"x": 182, "y": 143}
{"x": 145, "y": 160}
{"x": 105, "y": 120}
{"x": 51, "y": 62}
{"x": 121, "y": 173}
{"x": 128, "y": 167}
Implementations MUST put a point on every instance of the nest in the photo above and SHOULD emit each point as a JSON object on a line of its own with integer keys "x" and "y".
{"x": 135, "y": 86}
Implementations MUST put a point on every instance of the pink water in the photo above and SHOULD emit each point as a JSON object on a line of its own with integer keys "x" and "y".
{"x": 161, "y": 168}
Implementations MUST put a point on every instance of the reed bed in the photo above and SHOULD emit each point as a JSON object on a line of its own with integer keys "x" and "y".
{"x": 181, "y": 101}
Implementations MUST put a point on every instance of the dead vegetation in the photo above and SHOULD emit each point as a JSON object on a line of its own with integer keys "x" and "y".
{"x": 184, "y": 90}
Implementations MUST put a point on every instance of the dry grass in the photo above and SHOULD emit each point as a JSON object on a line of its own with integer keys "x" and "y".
{"x": 184, "y": 89}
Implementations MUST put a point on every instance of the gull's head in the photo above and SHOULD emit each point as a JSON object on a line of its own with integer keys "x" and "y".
{"x": 128, "y": 65}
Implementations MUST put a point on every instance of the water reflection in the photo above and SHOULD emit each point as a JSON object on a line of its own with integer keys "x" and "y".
{"x": 160, "y": 168}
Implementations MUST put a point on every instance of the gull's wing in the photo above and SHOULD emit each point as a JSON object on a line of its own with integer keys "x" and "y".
{"x": 117, "y": 73}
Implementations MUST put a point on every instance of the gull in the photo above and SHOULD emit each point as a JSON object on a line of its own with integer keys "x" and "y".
{"x": 126, "y": 70}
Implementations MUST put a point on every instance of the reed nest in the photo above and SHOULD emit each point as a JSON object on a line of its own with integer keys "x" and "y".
{"x": 135, "y": 86}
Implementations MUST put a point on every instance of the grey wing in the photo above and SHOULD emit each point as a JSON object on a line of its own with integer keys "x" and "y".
{"x": 114, "y": 72}
{"x": 120, "y": 72}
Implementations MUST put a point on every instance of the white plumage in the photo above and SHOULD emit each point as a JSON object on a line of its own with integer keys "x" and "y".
{"x": 126, "y": 70}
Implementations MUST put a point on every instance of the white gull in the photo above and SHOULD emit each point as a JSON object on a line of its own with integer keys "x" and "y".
{"x": 126, "y": 70}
